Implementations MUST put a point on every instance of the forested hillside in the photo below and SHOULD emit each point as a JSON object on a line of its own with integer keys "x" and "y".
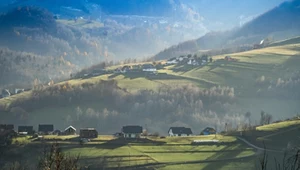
{"x": 178, "y": 106}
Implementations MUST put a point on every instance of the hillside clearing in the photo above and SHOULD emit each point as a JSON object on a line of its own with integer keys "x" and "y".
{"x": 278, "y": 126}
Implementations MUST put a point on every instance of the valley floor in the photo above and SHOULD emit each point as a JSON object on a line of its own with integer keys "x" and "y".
{"x": 151, "y": 153}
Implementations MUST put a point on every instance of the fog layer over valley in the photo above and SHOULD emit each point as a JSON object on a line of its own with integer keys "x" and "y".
{"x": 81, "y": 40}
{"x": 38, "y": 46}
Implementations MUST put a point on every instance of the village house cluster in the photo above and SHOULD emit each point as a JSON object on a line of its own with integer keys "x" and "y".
{"x": 190, "y": 60}
{"x": 7, "y": 92}
{"x": 138, "y": 68}
{"x": 146, "y": 68}
{"x": 128, "y": 132}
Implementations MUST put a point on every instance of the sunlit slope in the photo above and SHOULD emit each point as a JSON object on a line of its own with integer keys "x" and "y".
{"x": 295, "y": 40}
{"x": 272, "y": 62}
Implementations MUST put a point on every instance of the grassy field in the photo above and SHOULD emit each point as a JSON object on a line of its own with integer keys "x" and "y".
{"x": 171, "y": 154}
{"x": 278, "y": 126}
{"x": 208, "y": 166}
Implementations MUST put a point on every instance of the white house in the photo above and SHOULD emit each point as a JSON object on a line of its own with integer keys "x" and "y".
{"x": 192, "y": 62}
{"x": 180, "y": 58}
{"x": 5, "y": 93}
{"x": 148, "y": 68}
{"x": 180, "y": 131}
{"x": 70, "y": 131}
{"x": 132, "y": 131}
{"x": 17, "y": 91}
{"x": 172, "y": 61}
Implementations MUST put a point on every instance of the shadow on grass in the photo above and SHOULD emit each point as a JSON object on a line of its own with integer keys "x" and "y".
{"x": 184, "y": 68}
{"x": 118, "y": 162}
{"x": 223, "y": 154}
{"x": 200, "y": 151}
{"x": 120, "y": 142}
{"x": 162, "y": 76}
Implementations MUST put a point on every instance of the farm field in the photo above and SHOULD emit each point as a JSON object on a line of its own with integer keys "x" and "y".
{"x": 167, "y": 154}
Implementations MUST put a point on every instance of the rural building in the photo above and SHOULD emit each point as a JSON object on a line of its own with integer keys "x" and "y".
{"x": 45, "y": 129}
{"x": 88, "y": 133}
{"x": 7, "y": 127}
{"x": 204, "y": 58}
{"x": 257, "y": 46}
{"x": 5, "y": 93}
{"x": 25, "y": 130}
{"x": 132, "y": 131}
{"x": 17, "y": 91}
{"x": 148, "y": 68}
{"x": 192, "y": 62}
{"x": 181, "y": 58}
{"x": 70, "y": 131}
{"x": 229, "y": 58}
{"x": 208, "y": 131}
{"x": 118, "y": 70}
{"x": 172, "y": 61}
{"x": 180, "y": 131}
{"x": 136, "y": 67}
{"x": 125, "y": 69}
{"x": 118, "y": 135}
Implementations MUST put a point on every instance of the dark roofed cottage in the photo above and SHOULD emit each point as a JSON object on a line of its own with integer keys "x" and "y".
{"x": 45, "y": 129}
{"x": 7, "y": 127}
{"x": 180, "y": 131}
{"x": 28, "y": 130}
{"x": 88, "y": 133}
{"x": 208, "y": 131}
{"x": 132, "y": 131}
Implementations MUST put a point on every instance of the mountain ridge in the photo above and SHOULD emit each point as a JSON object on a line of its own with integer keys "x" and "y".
{"x": 250, "y": 33}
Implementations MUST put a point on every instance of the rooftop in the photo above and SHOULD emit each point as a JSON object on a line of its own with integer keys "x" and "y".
{"x": 132, "y": 129}
{"x": 181, "y": 130}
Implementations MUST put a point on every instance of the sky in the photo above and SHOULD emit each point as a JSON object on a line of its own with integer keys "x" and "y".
{"x": 215, "y": 15}
{"x": 226, "y": 14}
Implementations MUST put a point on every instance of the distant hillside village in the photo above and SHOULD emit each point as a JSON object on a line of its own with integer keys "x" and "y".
{"x": 144, "y": 69}
{"x": 190, "y": 60}
{"x": 7, "y": 92}
{"x": 147, "y": 68}
{"x": 7, "y": 132}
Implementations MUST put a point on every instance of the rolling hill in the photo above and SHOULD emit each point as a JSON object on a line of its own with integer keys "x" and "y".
{"x": 33, "y": 31}
{"x": 263, "y": 79}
